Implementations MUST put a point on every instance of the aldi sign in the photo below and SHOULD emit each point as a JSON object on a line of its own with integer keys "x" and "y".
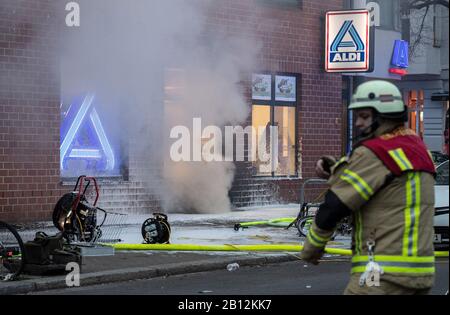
{"x": 347, "y": 46}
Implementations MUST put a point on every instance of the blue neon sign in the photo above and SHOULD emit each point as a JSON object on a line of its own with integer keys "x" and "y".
{"x": 85, "y": 142}
{"x": 400, "y": 57}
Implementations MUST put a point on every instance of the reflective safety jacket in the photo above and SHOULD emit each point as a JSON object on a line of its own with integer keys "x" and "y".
{"x": 388, "y": 183}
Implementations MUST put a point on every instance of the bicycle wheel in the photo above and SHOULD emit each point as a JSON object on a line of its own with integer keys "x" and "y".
{"x": 12, "y": 254}
{"x": 304, "y": 224}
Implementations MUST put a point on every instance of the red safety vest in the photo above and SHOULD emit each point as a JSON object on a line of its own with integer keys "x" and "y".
{"x": 401, "y": 153}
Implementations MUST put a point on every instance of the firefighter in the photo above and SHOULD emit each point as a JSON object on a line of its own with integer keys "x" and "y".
{"x": 387, "y": 185}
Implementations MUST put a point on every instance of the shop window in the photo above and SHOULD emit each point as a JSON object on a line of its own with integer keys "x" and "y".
{"x": 285, "y": 121}
{"x": 261, "y": 122}
{"x": 274, "y": 121}
{"x": 415, "y": 102}
{"x": 89, "y": 139}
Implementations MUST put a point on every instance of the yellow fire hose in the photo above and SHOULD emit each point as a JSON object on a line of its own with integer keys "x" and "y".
{"x": 280, "y": 222}
{"x": 236, "y": 248}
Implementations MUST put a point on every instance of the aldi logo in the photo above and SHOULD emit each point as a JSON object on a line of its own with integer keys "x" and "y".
{"x": 347, "y": 41}
{"x": 355, "y": 44}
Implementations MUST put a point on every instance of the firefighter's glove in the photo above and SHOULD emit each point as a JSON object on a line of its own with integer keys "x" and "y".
{"x": 328, "y": 163}
{"x": 324, "y": 165}
{"x": 315, "y": 243}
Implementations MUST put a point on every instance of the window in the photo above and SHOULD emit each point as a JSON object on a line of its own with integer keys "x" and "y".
{"x": 91, "y": 124}
{"x": 389, "y": 14}
{"x": 261, "y": 121}
{"x": 89, "y": 138}
{"x": 437, "y": 27}
{"x": 406, "y": 29}
{"x": 274, "y": 121}
{"x": 284, "y": 119}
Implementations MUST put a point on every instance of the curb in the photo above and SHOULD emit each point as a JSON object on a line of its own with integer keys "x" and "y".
{"x": 121, "y": 275}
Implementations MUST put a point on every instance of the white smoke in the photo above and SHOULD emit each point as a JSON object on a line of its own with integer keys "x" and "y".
{"x": 155, "y": 64}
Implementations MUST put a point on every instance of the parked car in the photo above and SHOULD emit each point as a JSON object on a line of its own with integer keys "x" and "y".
{"x": 441, "y": 218}
{"x": 439, "y": 157}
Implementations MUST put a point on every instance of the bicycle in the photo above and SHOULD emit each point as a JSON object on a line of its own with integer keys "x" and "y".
{"x": 308, "y": 210}
{"x": 344, "y": 227}
{"x": 12, "y": 253}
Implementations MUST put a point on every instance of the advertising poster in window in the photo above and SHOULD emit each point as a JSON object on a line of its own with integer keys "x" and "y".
{"x": 285, "y": 89}
{"x": 261, "y": 87}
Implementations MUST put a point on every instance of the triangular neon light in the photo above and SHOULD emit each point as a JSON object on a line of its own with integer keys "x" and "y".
{"x": 67, "y": 149}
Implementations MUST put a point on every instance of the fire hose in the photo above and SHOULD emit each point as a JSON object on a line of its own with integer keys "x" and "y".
{"x": 237, "y": 248}
{"x": 279, "y": 222}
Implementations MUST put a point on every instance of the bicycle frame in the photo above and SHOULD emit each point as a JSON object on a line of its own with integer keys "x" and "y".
{"x": 304, "y": 217}
{"x": 304, "y": 206}
{"x": 12, "y": 255}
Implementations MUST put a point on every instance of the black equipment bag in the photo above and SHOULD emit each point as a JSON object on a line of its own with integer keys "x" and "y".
{"x": 49, "y": 255}
{"x": 40, "y": 249}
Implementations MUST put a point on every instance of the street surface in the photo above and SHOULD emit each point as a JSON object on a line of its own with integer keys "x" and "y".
{"x": 291, "y": 278}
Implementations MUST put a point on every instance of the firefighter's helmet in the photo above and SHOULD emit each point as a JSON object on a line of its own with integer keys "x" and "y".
{"x": 380, "y": 95}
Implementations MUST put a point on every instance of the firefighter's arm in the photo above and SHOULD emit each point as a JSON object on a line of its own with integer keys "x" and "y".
{"x": 329, "y": 214}
{"x": 352, "y": 183}
{"x": 355, "y": 181}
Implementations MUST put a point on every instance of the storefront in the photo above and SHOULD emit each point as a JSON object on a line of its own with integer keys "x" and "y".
{"x": 52, "y": 130}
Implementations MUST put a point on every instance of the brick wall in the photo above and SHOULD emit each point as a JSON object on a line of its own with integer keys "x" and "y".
{"x": 29, "y": 109}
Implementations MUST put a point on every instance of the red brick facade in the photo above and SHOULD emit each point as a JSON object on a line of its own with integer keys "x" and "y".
{"x": 29, "y": 110}
{"x": 30, "y": 183}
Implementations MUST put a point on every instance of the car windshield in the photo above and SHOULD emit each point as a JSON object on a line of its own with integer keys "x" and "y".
{"x": 439, "y": 157}
{"x": 442, "y": 174}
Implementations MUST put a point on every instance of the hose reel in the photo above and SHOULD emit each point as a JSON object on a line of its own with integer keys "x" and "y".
{"x": 156, "y": 230}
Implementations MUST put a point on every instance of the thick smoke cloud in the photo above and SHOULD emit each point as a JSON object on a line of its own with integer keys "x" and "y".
{"x": 156, "y": 64}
